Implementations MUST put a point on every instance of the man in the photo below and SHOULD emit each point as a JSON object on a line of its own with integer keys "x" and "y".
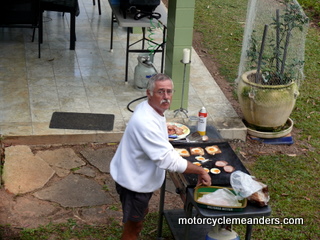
{"x": 144, "y": 153}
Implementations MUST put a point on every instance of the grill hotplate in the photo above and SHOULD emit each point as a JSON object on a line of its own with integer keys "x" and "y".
{"x": 227, "y": 154}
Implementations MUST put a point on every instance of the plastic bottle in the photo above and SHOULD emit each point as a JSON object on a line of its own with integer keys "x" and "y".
{"x": 202, "y": 122}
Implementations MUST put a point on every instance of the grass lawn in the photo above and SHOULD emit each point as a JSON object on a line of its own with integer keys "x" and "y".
{"x": 293, "y": 181}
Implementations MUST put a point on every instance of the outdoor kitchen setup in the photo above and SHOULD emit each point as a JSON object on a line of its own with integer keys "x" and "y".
{"x": 186, "y": 187}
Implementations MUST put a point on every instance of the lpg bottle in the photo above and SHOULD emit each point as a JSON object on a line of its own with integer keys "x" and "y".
{"x": 202, "y": 122}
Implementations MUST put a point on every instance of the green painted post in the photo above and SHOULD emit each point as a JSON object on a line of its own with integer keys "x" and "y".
{"x": 179, "y": 36}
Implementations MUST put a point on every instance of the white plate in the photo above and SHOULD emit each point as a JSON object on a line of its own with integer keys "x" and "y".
{"x": 186, "y": 130}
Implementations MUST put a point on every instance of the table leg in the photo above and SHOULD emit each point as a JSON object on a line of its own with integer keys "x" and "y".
{"x": 248, "y": 232}
{"x": 72, "y": 30}
{"x": 111, "y": 40}
{"x": 163, "y": 48}
{"x": 143, "y": 36}
{"x": 127, "y": 54}
{"x": 41, "y": 27}
{"x": 99, "y": 7}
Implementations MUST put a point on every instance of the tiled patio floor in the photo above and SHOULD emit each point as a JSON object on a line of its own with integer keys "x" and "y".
{"x": 89, "y": 79}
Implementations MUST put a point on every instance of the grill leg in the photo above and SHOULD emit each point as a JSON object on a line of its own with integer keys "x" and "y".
{"x": 189, "y": 207}
{"x": 161, "y": 207}
{"x": 248, "y": 232}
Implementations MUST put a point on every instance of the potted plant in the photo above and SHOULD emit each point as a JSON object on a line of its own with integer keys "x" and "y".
{"x": 272, "y": 61}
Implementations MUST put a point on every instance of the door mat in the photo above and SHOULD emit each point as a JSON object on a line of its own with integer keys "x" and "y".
{"x": 82, "y": 121}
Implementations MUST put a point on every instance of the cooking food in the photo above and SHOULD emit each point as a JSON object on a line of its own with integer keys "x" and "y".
{"x": 215, "y": 170}
{"x": 196, "y": 151}
{"x": 206, "y": 169}
{"x": 213, "y": 149}
{"x": 197, "y": 163}
{"x": 200, "y": 158}
{"x": 183, "y": 152}
{"x": 174, "y": 130}
{"x": 228, "y": 168}
{"x": 221, "y": 163}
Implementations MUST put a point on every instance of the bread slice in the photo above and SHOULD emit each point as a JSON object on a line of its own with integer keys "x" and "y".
{"x": 183, "y": 152}
{"x": 214, "y": 149}
{"x": 197, "y": 151}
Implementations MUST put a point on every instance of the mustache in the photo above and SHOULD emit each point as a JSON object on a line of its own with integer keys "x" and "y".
{"x": 165, "y": 101}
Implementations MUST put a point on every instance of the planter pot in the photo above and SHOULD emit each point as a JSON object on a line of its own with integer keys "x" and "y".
{"x": 266, "y": 107}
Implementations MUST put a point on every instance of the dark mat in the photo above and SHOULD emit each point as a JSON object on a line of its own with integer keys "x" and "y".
{"x": 82, "y": 121}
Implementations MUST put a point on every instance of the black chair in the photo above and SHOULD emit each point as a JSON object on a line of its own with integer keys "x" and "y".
{"x": 69, "y": 6}
{"x": 22, "y": 14}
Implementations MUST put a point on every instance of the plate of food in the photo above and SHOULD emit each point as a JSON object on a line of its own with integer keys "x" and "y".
{"x": 177, "y": 131}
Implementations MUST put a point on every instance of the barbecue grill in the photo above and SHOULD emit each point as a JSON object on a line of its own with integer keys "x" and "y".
{"x": 185, "y": 184}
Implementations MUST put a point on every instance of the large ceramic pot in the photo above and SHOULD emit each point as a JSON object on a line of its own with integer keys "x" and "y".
{"x": 266, "y": 106}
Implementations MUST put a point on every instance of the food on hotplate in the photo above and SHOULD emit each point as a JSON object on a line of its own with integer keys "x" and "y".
{"x": 228, "y": 168}
{"x": 183, "y": 152}
{"x": 196, "y": 151}
{"x": 200, "y": 158}
{"x": 174, "y": 130}
{"x": 197, "y": 163}
{"x": 225, "y": 165}
{"x": 221, "y": 163}
{"x": 213, "y": 149}
{"x": 206, "y": 169}
{"x": 215, "y": 170}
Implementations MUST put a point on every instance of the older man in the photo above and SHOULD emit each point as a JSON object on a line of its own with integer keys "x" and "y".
{"x": 144, "y": 153}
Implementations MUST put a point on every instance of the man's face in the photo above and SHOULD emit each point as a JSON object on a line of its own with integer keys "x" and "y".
{"x": 161, "y": 97}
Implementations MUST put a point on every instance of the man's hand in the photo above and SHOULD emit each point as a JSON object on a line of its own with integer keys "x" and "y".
{"x": 204, "y": 179}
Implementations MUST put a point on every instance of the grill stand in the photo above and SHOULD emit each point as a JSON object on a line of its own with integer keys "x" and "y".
{"x": 196, "y": 231}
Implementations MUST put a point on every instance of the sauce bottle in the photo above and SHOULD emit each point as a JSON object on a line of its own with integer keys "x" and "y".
{"x": 202, "y": 122}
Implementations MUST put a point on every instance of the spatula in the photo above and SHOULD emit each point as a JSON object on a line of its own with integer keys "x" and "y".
{"x": 194, "y": 137}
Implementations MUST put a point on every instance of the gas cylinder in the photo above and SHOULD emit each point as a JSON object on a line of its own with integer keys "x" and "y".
{"x": 202, "y": 121}
{"x": 219, "y": 232}
{"x": 143, "y": 71}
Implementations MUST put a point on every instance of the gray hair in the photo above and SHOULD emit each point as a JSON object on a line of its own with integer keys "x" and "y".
{"x": 157, "y": 77}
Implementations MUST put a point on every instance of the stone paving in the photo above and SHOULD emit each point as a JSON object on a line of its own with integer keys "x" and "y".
{"x": 25, "y": 172}
{"x": 54, "y": 184}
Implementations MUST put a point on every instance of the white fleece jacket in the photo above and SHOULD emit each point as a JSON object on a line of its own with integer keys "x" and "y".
{"x": 144, "y": 152}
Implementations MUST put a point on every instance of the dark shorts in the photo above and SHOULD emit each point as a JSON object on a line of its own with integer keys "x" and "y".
{"x": 134, "y": 204}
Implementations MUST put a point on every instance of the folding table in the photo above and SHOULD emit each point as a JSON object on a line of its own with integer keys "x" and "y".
{"x": 129, "y": 22}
